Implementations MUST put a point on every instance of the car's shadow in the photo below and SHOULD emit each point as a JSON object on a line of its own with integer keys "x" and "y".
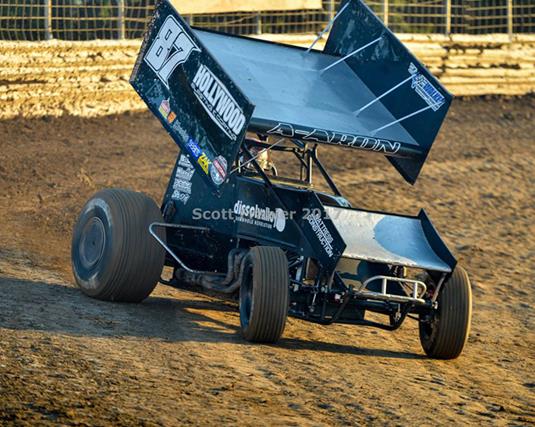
{"x": 55, "y": 308}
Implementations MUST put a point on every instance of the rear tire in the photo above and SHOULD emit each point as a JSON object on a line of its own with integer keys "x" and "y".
{"x": 444, "y": 332}
{"x": 264, "y": 295}
{"x": 114, "y": 257}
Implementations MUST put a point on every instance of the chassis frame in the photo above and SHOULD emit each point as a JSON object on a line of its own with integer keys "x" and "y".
{"x": 318, "y": 291}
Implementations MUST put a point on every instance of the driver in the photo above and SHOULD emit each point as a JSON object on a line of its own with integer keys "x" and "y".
{"x": 261, "y": 155}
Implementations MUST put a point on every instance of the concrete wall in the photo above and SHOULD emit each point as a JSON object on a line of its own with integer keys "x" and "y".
{"x": 91, "y": 78}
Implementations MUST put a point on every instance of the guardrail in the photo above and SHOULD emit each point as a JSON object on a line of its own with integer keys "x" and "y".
{"x": 125, "y": 19}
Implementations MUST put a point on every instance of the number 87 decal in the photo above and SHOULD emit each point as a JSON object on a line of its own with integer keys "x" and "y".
{"x": 172, "y": 47}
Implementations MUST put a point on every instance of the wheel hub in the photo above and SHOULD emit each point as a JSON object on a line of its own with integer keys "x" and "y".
{"x": 246, "y": 296}
{"x": 92, "y": 243}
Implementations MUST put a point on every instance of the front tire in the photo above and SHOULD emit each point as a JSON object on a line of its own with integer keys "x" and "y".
{"x": 444, "y": 332}
{"x": 114, "y": 258}
{"x": 264, "y": 294}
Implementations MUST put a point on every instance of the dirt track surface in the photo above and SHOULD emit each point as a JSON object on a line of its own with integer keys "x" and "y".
{"x": 178, "y": 358}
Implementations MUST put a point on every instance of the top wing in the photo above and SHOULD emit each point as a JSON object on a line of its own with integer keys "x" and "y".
{"x": 365, "y": 91}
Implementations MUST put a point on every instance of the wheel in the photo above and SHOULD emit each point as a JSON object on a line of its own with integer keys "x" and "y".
{"x": 443, "y": 332}
{"x": 264, "y": 294}
{"x": 114, "y": 257}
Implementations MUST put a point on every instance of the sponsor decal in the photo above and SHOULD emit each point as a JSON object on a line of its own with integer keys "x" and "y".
{"x": 166, "y": 112}
{"x": 182, "y": 183}
{"x": 320, "y": 135}
{"x": 218, "y": 170}
{"x": 218, "y": 102}
{"x": 177, "y": 127}
{"x": 171, "y": 48}
{"x": 322, "y": 233}
{"x": 181, "y": 197}
{"x": 184, "y": 162}
{"x": 165, "y": 108}
{"x": 184, "y": 174}
{"x": 204, "y": 163}
{"x": 158, "y": 99}
{"x": 260, "y": 216}
{"x": 425, "y": 89}
{"x": 199, "y": 155}
{"x": 194, "y": 148}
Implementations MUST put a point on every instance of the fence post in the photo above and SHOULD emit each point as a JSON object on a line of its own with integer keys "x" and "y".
{"x": 120, "y": 14}
{"x": 48, "y": 20}
{"x": 386, "y": 12}
{"x": 448, "y": 17}
{"x": 510, "y": 19}
{"x": 332, "y": 10}
{"x": 259, "y": 23}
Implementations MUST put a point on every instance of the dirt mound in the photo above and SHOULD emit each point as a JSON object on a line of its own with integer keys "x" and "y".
{"x": 178, "y": 358}
{"x": 90, "y": 78}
